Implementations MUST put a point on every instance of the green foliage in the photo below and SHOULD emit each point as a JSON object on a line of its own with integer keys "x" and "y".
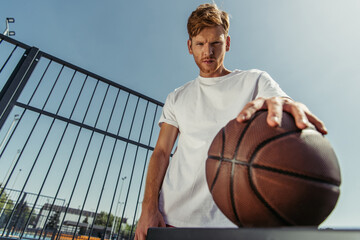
{"x": 101, "y": 219}
{"x": 4, "y": 200}
{"x": 20, "y": 215}
{"x": 82, "y": 230}
{"x": 54, "y": 220}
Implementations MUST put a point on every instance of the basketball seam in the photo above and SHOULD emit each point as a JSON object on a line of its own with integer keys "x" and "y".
{"x": 277, "y": 170}
{"x": 294, "y": 174}
{"x": 251, "y": 182}
{"x": 233, "y": 168}
{"x": 221, "y": 159}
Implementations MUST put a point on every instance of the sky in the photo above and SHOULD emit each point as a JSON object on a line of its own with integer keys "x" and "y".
{"x": 309, "y": 47}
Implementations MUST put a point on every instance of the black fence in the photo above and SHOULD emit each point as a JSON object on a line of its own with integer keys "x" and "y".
{"x": 74, "y": 149}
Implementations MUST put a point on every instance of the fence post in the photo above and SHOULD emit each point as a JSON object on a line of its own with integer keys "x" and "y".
{"x": 16, "y": 82}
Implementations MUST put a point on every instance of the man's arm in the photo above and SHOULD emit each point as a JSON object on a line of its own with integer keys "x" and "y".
{"x": 276, "y": 106}
{"x": 159, "y": 161}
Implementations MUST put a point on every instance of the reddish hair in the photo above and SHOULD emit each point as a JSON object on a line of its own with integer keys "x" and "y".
{"x": 207, "y": 15}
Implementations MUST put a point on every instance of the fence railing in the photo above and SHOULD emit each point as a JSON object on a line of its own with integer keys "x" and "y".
{"x": 74, "y": 148}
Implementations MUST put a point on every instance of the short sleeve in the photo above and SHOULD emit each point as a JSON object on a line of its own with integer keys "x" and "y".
{"x": 267, "y": 87}
{"x": 168, "y": 115}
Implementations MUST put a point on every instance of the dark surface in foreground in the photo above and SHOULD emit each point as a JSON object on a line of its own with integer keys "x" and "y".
{"x": 287, "y": 233}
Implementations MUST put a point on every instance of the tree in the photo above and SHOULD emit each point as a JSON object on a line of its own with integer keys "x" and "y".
{"x": 6, "y": 205}
{"x": 54, "y": 220}
{"x": 82, "y": 230}
{"x": 127, "y": 231}
{"x": 20, "y": 215}
{"x": 53, "y": 224}
{"x": 101, "y": 219}
{"x": 118, "y": 224}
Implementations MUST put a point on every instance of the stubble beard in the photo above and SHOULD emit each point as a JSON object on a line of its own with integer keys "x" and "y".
{"x": 209, "y": 69}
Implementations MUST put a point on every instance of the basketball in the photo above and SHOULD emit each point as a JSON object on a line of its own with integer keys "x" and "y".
{"x": 260, "y": 176}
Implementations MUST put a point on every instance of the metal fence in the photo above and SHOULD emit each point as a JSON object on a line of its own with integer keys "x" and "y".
{"x": 74, "y": 149}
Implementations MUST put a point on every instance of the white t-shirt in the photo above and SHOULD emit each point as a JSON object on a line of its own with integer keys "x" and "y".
{"x": 199, "y": 109}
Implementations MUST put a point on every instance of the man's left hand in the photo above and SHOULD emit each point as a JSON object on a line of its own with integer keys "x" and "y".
{"x": 276, "y": 106}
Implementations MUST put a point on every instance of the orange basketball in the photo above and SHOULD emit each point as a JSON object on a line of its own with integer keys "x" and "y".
{"x": 261, "y": 176}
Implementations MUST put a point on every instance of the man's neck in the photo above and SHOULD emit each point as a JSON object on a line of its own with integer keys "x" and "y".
{"x": 221, "y": 73}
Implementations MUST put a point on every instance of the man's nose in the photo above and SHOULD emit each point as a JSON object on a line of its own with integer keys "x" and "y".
{"x": 208, "y": 50}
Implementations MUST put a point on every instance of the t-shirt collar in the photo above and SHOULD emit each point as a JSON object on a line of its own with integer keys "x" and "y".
{"x": 214, "y": 80}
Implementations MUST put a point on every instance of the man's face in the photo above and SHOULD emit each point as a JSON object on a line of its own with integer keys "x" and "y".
{"x": 208, "y": 49}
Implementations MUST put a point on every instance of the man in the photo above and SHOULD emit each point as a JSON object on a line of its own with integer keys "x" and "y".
{"x": 176, "y": 192}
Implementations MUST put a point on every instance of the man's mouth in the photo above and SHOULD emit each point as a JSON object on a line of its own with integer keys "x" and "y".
{"x": 208, "y": 61}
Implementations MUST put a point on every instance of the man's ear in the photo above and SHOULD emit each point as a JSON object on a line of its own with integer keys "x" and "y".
{"x": 227, "y": 43}
{"x": 189, "y": 46}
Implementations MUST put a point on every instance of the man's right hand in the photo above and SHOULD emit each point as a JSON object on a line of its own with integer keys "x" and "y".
{"x": 152, "y": 218}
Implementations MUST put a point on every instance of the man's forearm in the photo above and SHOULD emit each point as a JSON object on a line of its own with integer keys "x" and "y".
{"x": 150, "y": 214}
{"x": 158, "y": 164}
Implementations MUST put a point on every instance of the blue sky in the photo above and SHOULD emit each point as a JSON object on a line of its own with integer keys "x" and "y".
{"x": 309, "y": 47}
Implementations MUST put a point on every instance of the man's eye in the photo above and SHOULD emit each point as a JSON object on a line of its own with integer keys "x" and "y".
{"x": 199, "y": 44}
